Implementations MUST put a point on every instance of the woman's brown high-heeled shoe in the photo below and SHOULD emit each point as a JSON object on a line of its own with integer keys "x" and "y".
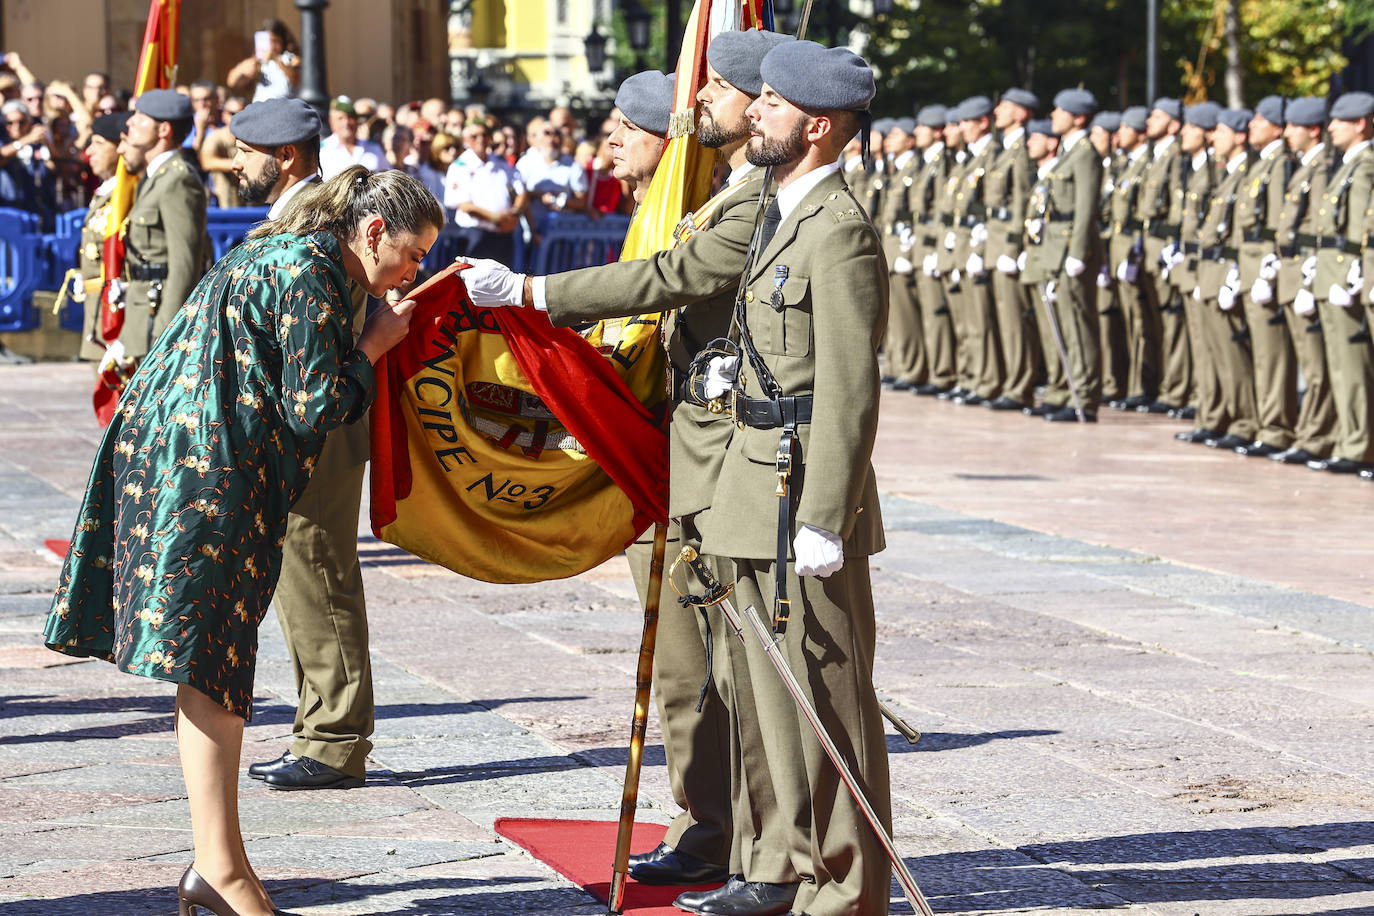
{"x": 195, "y": 893}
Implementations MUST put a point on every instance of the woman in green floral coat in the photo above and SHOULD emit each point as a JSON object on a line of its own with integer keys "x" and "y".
{"x": 178, "y": 543}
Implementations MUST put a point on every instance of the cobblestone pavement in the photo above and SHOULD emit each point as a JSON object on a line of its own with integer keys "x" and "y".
{"x": 1142, "y": 670}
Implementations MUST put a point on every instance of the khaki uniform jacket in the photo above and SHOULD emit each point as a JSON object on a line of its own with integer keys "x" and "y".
{"x": 1159, "y": 205}
{"x": 1216, "y": 230}
{"x": 1072, "y": 202}
{"x": 1298, "y": 217}
{"x": 946, "y": 196}
{"x": 923, "y": 201}
{"x": 700, "y": 277}
{"x": 968, "y": 205}
{"x": 1006, "y": 186}
{"x": 1125, "y": 202}
{"x": 823, "y": 342}
{"x": 89, "y": 259}
{"x": 1196, "y": 195}
{"x": 1341, "y": 215}
{"x": 1258, "y": 206}
{"x": 893, "y": 213}
{"x": 868, "y": 187}
{"x": 166, "y": 226}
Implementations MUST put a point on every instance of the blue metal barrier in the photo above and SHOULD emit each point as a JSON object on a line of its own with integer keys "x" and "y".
{"x": 61, "y": 251}
{"x": 569, "y": 241}
{"x": 228, "y": 225}
{"x": 20, "y": 269}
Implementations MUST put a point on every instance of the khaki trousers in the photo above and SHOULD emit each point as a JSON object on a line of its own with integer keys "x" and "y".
{"x": 1075, "y": 307}
{"x": 1111, "y": 335}
{"x": 829, "y": 647}
{"x": 1276, "y": 373}
{"x": 1204, "y": 372}
{"x": 905, "y": 348}
{"x": 1233, "y": 372}
{"x": 1315, "y": 430}
{"x": 1056, "y": 385}
{"x": 696, "y": 744}
{"x": 1350, "y": 364}
{"x": 938, "y": 330}
{"x": 1016, "y": 333}
{"x": 323, "y": 615}
{"x": 984, "y": 349}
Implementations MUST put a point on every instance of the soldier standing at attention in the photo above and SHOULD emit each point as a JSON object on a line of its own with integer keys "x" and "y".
{"x": 1074, "y": 249}
{"x": 951, "y": 274}
{"x": 1221, "y": 316}
{"x": 1339, "y": 281}
{"x": 102, "y": 151}
{"x": 1125, "y": 257}
{"x": 1255, "y": 229}
{"x": 1194, "y": 140}
{"x": 904, "y": 349}
{"x": 971, "y": 236}
{"x": 319, "y": 599}
{"x": 1037, "y": 273}
{"x": 1295, "y": 242}
{"x": 1005, "y": 189}
{"x": 1159, "y": 208}
{"x": 166, "y": 247}
{"x": 1111, "y": 325}
{"x": 923, "y": 202}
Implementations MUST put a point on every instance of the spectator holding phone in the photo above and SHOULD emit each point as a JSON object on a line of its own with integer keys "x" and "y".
{"x": 273, "y": 72}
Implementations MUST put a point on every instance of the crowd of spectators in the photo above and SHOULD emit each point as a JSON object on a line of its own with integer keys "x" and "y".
{"x": 494, "y": 175}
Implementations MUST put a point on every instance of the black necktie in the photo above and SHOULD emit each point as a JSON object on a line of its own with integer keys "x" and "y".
{"x": 771, "y": 217}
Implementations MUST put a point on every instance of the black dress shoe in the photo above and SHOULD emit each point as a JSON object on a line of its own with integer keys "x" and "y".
{"x": 1116, "y": 403}
{"x": 260, "y": 770}
{"x": 1135, "y": 402}
{"x": 678, "y": 869}
{"x": 899, "y": 384}
{"x": 1197, "y": 435}
{"x": 690, "y": 900}
{"x": 928, "y": 389}
{"x": 306, "y": 773}
{"x": 1070, "y": 415}
{"x": 886, "y": 380}
{"x": 1156, "y": 407}
{"x": 653, "y": 855}
{"x": 971, "y": 399}
{"x": 953, "y": 393}
{"x": 1295, "y": 456}
{"x": 742, "y": 898}
{"x": 1229, "y": 442}
{"x": 1185, "y": 413}
{"x": 1367, "y": 473}
{"x": 1257, "y": 449}
{"x": 1040, "y": 411}
{"x": 1338, "y": 465}
{"x": 1006, "y": 403}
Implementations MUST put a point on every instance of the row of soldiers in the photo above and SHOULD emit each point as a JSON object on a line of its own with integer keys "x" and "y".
{"x": 1196, "y": 261}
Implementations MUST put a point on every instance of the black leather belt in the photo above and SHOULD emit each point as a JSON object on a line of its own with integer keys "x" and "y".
{"x": 1305, "y": 239}
{"x": 947, "y": 220}
{"x": 1260, "y": 235}
{"x": 1000, "y": 214}
{"x": 969, "y": 221}
{"x": 147, "y": 272}
{"x": 772, "y": 413}
{"x": 1220, "y": 253}
{"x": 1190, "y": 247}
{"x": 1165, "y": 231}
{"x": 1339, "y": 242}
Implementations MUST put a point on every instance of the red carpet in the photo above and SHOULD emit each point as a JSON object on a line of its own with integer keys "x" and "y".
{"x": 58, "y": 547}
{"x": 584, "y": 853}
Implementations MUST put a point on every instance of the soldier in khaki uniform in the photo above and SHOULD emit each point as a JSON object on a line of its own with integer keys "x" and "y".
{"x": 1037, "y": 273}
{"x": 923, "y": 203}
{"x": 867, "y": 180}
{"x": 1006, "y": 187}
{"x": 1221, "y": 315}
{"x": 1111, "y": 324}
{"x": 1125, "y": 260}
{"x": 905, "y": 346}
{"x": 1339, "y": 282}
{"x": 970, "y": 250}
{"x": 1198, "y": 123}
{"x": 696, "y": 282}
{"x": 102, "y": 151}
{"x": 967, "y": 369}
{"x": 1159, "y": 209}
{"x": 1254, "y": 229}
{"x": 166, "y": 247}
{"x": 1295, "y": 241}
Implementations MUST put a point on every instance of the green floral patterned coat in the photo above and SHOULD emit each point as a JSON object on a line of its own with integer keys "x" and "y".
{"x": 178, "y": 544}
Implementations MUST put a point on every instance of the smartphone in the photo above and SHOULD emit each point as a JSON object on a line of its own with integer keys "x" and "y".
{"x": 262, "y": 44}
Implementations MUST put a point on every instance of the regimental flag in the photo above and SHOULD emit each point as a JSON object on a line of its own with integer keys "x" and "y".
{"x": 510, "y": 451}
{"x": 157, "y": 69}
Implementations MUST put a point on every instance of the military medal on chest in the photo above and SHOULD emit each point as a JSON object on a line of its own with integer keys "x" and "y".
{"x": 779, "y": 278}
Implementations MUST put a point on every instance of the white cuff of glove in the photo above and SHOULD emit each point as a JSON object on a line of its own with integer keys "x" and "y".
{"x": 1226, "y": 298}
{"x": 1074, "y": 267}
{"x": 819, "y": 553}
{"x": 1269, "y": 267}
{"x": 1309, "y": 270}
{"x": 975, "y": 266}
{"x": 1261, "y": 293}
{"x": 721, "y": 373}
{"x": 901, "y": 265}
{"x": 491, "y": 283}
{"x": 954, "y": 277}
{"x": 1051, "y": 291}
{"x": 1197, "y": 293}
{"x": 1354, "y": 279}
{"x": 1339, "y": 296}
{"x": 951, "y": 240}
{"x": 1104, "y": 278}
{"x": 1021, "y": 262}
{"x": 1006, "y": 264}
{"x": 1304, "y": 303}
{"x": 978, "y": 235}
{"x": 928, "y": 265}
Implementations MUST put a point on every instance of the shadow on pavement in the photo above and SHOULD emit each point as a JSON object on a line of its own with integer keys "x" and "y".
{"x": 953, "y": 741}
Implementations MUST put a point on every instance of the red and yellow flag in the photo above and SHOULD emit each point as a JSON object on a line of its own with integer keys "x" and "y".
{"x": 509, "y": 451}
{"x": 157, "y": 69}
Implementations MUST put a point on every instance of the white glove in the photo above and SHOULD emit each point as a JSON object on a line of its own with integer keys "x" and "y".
{"x": 1233, "y": 278}
{"x": 1104, "y": 278}
{"x": 819, "y": 553}
{"x": 1177, "y": 258}
{"x": 1197, "y": 293}
{"x": 721, "y": 373}
{"x": 1123, "y": 270}
{"x": 975, "y": 266}
{"x": 1226, "y": 298}
{"x": 978, "y": 235}
{"x": 1073, "y": 267}
{"x": 1008, "y": 265}
{"x": 1051, "y": 291}
{"x": 1340, "y": 296}
{"x": 1304, "y": 303}
{"x": 929, "y": 265}
{"x": 905, "y": 239}
{"x": 1261, "y": 293}
{"x": 1269, "y": 267}
{"x": 901, "y": 265}
{"x": 954, "y": 277}
{"x": 491, "y": 283}
{"x": 1035, "y": 227}
{"x": 951, "y": 240}
{"x": 1354, "y": 280}
{"x": 1309, "y": 270}
{"x": 1021, "y": 262}
{"x": 1166, "y": 257}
